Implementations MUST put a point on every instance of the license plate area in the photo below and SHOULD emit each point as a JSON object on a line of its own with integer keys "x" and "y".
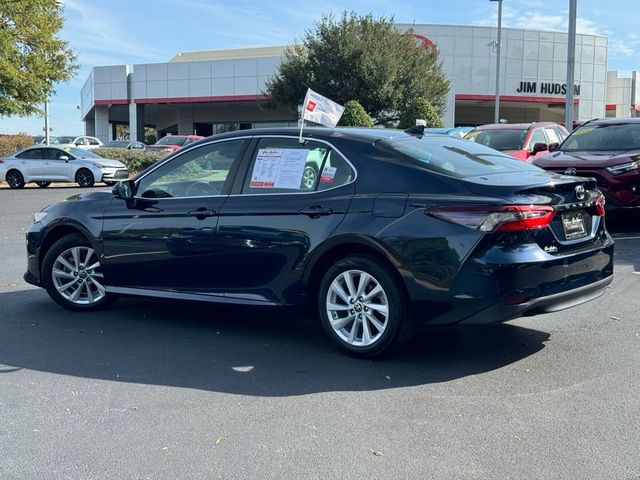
{"x": 573, "y": 225}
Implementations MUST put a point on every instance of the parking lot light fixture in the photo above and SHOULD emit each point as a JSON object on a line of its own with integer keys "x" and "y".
{"x": 496, "y": 115}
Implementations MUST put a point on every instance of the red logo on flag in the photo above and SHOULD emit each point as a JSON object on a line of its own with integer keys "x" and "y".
{"x": 311, "y": 105}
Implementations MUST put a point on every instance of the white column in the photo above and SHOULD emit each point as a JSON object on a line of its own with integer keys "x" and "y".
{"x": 102, "y": 127}
{"x": 133, "y": 122}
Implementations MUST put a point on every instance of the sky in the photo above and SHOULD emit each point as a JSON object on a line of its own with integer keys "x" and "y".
{"x": 112, "y": 32}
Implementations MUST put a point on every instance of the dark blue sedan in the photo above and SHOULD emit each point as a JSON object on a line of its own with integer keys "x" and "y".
{"x": 379, "y": 231}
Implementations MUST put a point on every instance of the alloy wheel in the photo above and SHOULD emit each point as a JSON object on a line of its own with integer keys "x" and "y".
{"x": 84, "y": 178}
{"x": 309, "y": 178}
{"x": 77, "y": 276}
{"x": 357, "y": 308}
{"x": 15, "y": 179}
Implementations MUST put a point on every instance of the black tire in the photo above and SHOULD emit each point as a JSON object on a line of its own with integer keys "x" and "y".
{"x": 85, "y": 178}
{"x": 14, "y": 179}
{"x": 309, "y": 176}
{"x": 399, "y": 325}
{"x": 65, "y": 243}
{"x": 43, "y": 184}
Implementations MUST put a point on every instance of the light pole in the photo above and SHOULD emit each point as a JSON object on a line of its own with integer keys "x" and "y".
{"x": 571, "y": 62}
{"x": 46, "y": 121}
{"x": 496, "y": 114}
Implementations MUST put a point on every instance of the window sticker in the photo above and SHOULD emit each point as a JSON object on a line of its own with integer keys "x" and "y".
{"x": 328, "y": 174}
{"x": 279, "y": 168}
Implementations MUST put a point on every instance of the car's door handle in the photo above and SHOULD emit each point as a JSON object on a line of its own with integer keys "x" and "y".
{"x": 316, "y": 211}
{"x": 202, "y": 213}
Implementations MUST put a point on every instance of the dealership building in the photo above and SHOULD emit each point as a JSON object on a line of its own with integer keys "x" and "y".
{"x": 208, "y": 92}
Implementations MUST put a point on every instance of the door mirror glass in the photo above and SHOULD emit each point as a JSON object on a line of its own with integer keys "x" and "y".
{"x": 539, "y": 147}
{"x": 126, "y": 189}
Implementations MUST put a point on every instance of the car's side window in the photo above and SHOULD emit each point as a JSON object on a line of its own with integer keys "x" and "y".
{"x": 552, "y": 135}
{"x": 284, "y": 165}
{"x": 200, "y": 172}
{"x": 32, "y": 154}
{"x": 93, "y": 141}
{"x": 56, "y": 153}
{"x": 561, "y": 133}
{"x": 335, "y": 172}
{"x": 537, "y": 137}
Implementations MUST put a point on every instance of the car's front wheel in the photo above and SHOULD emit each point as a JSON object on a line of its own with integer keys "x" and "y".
{"x": 72, "y": 275}
{"x": 362, "y": 307}
{"x": 85, "y": 178}
{"x": 43, "y": 184}
{"x": 15, "y": 179}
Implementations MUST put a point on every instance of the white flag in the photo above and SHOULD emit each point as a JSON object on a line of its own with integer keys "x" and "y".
{"x": 319, "y": 109}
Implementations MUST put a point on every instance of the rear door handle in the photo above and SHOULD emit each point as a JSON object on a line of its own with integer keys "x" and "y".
{"x": 315, "y": 211}
{"x": 202, "y": 213}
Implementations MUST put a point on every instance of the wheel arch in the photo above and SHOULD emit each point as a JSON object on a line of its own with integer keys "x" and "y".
{"x": 62, "y": 230}
{"x": 342, "y": 246}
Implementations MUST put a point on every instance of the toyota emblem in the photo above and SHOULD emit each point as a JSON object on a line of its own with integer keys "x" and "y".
{"x": 570, "y": 171}
{"x": 580, "y": 192}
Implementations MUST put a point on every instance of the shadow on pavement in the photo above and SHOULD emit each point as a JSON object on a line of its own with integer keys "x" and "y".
{"x": 255, "y": 352}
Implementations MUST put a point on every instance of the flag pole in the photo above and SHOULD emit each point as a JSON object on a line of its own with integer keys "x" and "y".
{"x": 301, "y": 126}
{"x": 304, "y": 105}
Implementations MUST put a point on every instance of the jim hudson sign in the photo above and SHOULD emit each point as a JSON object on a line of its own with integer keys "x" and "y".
{"x": 546, "y": 88}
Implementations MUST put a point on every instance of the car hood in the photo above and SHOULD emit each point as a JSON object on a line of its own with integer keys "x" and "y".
{"x": 105, "y": 162}
{"x": 562, "y": 159}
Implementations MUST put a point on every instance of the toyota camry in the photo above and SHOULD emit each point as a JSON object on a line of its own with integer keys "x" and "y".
{"x": 398, "y": 230}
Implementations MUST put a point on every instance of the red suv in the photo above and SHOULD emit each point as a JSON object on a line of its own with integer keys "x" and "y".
{"x": 607, "y": 150}
{"x": 523, "y": 141}
{"x": 171, "y": 143}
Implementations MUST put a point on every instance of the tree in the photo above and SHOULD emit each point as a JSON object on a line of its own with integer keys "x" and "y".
{"x": 32, "y": 57}
{"x": 421, "y": 108}
{"x": 355, "y": 116}
{"x": 360, "y": 57}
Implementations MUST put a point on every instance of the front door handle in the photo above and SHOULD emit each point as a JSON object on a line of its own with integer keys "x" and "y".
{"x": 315, "y": 211}
{"x": 202, "y": 213}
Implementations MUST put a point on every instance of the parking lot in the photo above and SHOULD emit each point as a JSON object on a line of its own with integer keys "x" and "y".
{"x": 154, "y": 389}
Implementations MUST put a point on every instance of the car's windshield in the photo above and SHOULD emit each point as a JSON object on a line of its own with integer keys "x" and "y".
{"x": 456, "y": 158}
{"x": 499, "y": 139}
{"x": 117, "y": 144}
{"x": 61, "y": 140}
{"x": 81, "y": 153}
{"x": 604, "y": 137}
{"x": 172, "y": 140}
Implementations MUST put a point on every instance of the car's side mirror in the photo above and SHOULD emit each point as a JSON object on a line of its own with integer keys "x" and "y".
{"x": 539, "y": 147}
{"x": 553, "y": 146}
{"x": 125, "y": 189}
{"x": 64, "y": 158}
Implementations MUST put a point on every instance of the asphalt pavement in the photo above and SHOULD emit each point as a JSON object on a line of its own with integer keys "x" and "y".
{"x": 169, "y": 390}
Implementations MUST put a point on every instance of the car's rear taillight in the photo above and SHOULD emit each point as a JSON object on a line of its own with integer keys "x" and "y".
{"x": 509, "y": 218}
{"x": 600, "y": 201}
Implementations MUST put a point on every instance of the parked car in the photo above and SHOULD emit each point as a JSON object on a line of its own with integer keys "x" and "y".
{"x": 523, "y": 141}
{"x": 125, "y": 144}
{"x": 43, "y": 165}
{"x": 398, "y": 231}
{"x": 459, "y": 132}
{"x": 607, "y": 150}
{"x": 84, "y": 141}
{"x": 173, "y": 143}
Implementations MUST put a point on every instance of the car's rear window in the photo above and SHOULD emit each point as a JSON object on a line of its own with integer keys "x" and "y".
{"x": 172, "y": 140}
{"x": 456, "y": 158}
{"x": 499, "y": 139}
{"x": 604, "y": 137}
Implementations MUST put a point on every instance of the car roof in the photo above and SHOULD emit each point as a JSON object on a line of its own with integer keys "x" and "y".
{"x": 367, "y": 134}
{"x": 612, "y": 121}
{"x": 515, "y": 126}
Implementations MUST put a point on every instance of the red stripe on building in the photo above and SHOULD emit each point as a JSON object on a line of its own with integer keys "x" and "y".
{"x": 512, "y": 98}
{"x": 220, "y": 98}
{"x": 120, "y": 101}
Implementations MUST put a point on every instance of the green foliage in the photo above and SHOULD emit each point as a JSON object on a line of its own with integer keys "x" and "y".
{"x": 11, "y": 143}
{"x": 32, "y": 57}
{"x": 355, "y": 116}
{"x": 150, "y": 135}
{"x": 421, "y": 108}
{"x": 134, "y": 160}
{"x": 360, "y": 57}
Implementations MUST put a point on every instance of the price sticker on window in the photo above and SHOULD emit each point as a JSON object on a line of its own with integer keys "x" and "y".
{"x": 328, "y": 174}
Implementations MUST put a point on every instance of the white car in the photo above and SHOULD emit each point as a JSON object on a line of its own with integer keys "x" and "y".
{"x": 43, "y": 165}
{"x": 84, "y": 141}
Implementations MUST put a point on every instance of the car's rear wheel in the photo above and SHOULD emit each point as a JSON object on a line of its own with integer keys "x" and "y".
{"x": 43, "y": 184}
{"x": 72, "y": 275}
{"x": 15, "y": 179}
{"x": 363, "y": 307}
{"x": 85, "y": 178}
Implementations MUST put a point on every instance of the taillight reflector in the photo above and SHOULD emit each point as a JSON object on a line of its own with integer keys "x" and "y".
{"x": 600, "y": 201}
{"x": 509, "y": 218}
